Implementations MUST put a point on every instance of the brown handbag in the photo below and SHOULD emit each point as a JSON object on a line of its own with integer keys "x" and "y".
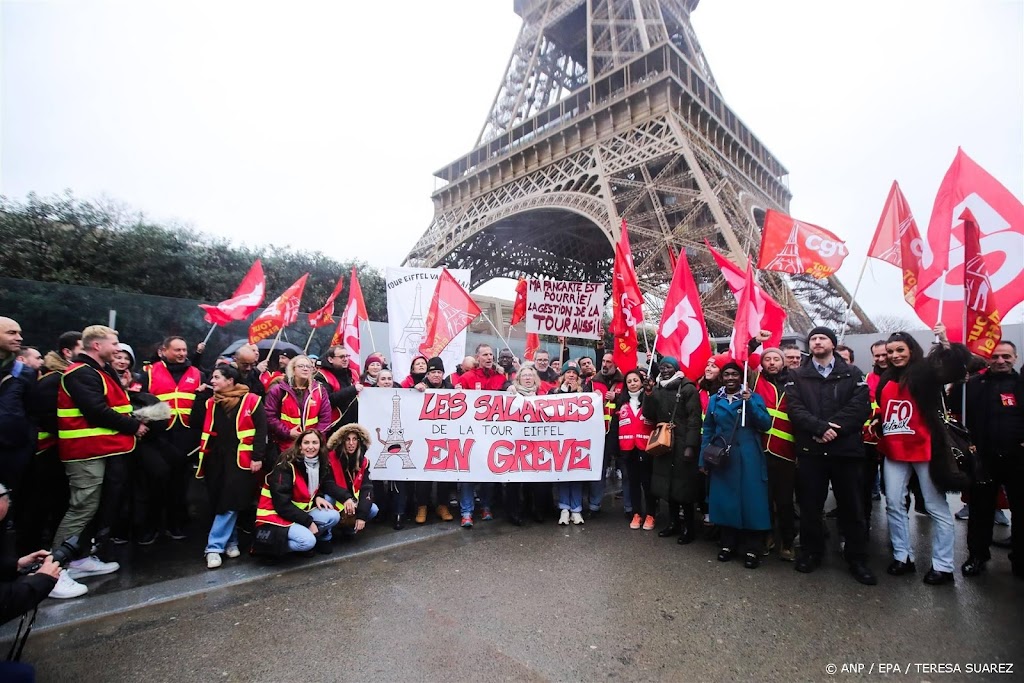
{"x": 663, "y": 437}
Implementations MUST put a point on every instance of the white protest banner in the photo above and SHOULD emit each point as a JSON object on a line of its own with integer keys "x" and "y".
{"x": 566, "y": 309}
{"x": 410, "y": 291}
{"x": 482, "y": 436}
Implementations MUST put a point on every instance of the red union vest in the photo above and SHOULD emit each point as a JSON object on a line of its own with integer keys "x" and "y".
{"x": 267, "y": 378}
{"x": 302, "y": 498}
{"x": 634, "y": 429}
{"x": 335, "y": 385}
{"x": 245, "y": 429}
{"x": 180, "y": 396}
{"x": 778, "y": 440}
{"x": 354, "y": 487}
{"x": 79, "y": 440}
{"x": 905, "y": 436}
{"x": 609, "y": 404}
{"x": 306, "y": 418}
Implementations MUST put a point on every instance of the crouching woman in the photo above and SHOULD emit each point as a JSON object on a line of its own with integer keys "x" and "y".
{"x": 347, "y": 453}
{"x": 293, "y": 506}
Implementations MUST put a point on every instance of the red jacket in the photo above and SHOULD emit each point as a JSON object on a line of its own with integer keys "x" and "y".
{"x": 479, "y": 378}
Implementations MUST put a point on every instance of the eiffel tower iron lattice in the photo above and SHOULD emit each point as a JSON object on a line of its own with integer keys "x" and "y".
{"x": 608, "y": 110}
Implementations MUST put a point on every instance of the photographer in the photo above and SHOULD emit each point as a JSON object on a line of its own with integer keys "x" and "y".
{"x": 19, "y": 594}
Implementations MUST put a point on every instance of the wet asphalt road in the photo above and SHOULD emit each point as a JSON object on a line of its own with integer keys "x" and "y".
{"x": 549, "y": 603}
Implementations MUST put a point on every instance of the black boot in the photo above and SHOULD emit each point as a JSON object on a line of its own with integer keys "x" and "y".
{"x": 688, "y": 532}
{"x": 399, "y": 523}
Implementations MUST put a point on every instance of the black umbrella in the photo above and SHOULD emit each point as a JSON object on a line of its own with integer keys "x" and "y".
{"x": 263, "y": 345}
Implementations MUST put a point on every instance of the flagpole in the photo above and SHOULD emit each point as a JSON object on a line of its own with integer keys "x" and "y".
{"x": 963, "y": 398}
{"x": 503, "y": 340}
{"x": 743, "y": 406}
{"x": 274, "y": 345}
{"x": 942, "y": 298}
{"x": 305, "y": 349}
{"x": 369, "y": 331}
{"x": 849, "y": 304}
{"x": 209, "y": 334}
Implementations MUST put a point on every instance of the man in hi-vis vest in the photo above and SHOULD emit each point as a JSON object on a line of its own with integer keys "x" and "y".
{"x": 94, "y": 422}
{"x": 175, "y": 381}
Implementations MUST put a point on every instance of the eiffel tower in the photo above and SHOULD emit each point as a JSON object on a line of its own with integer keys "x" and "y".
{"x": 608, "y": 110}
{"x": 789, "y": 257}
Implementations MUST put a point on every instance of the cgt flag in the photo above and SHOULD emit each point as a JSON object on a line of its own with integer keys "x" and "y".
{"x": 798, "y": 248}
{"x": 627, "y": 304}
{"x": 683, "y": 332}
{"x": 347, "y": 334}
{"x": 246, "y": 299}
{"x": 999, "y": 217}
{"x": 281, "y": 313}
{"x": 898, "y": 241}
{"x": 532, "y": 345}
{"x": 748, "y": 318}
{"x": 983, "y": 331}
{"x": 451, "y": 311}
{"x": 772, "y": 315}
{"x": 325, "y": 316}
{"x": 519, "y": 307}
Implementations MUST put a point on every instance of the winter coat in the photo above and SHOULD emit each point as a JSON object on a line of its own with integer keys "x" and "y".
{"x": 345, "y": 398}
{"x": 281, "y": 483}
{"x": 815, "y": 401}
{"x": 995, "y": 414}
{"x": 673, "y": 477}
{"x": 489, "y": 380}
{"x": 229, "y": 487}
{"x": 272, "y": 405}
{"x": 738, "y": 494}
{"x": 17, "y": 382}
{"x": 19, "y": 594}
{"x": 347, "y": 469}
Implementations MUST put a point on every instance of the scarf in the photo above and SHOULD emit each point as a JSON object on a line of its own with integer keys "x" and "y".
{"x": 523, "y": 391}
{"x": 665, "y": 382}
{"x": 229, "y": 399}
{"x": 313, "y": 473}
{"x": 634, "y": 400}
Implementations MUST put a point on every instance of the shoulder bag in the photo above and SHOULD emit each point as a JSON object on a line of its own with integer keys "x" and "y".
{"x": 955, "y": 461}
{"x": 717, "y": 452}
{"x": 663, "y": 436}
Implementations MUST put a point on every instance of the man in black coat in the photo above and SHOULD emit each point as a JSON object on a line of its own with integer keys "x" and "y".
{"x": 345, "y": 387}
{"x": 19, "y": 594}
{"x": 828, "y": 404}
{"x": 995, "y": 416}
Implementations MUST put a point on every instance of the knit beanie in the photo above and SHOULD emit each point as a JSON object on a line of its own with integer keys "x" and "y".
{"x": 821, "y": 329}
{"x": 670, "y": 360}
{"x": 435, "y": 363}
{"x": 775, "y": 350}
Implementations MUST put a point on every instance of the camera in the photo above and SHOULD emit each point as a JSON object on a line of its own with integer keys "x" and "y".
{"x": 62, "y": 555}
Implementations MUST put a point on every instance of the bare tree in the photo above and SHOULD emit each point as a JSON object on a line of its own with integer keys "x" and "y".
{"x": 889, "y": 323}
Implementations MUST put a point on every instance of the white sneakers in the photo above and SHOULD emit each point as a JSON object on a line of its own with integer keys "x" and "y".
{"x": 563, "y": 518}
{"x": 576, "y": 518}
{"x": 213, "y": 560}
{"x": 67, "y": 587}
{"x": 91, "y": 566}
{"x": 233, "y": 551}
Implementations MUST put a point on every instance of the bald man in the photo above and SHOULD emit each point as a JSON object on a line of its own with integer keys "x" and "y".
{"x": 16, "y": 430}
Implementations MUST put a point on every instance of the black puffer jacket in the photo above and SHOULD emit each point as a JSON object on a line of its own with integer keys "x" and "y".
{"x": 674, "y": 477}
{"x": 815, "y": 401}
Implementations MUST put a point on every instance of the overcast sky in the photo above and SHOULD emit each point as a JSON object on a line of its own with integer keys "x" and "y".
{"x": 319, "y": 124}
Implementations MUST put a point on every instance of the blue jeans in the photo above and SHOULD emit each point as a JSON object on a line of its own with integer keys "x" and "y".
{"x": 570, "y": 496}
{"x": 223, "y": 533}
{"x": 301, "y": 539}
{"x": 466, "y": 497}
{"x": 897, "y": 476}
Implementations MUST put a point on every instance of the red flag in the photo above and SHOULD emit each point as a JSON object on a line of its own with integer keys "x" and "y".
{"x": 347, "y": 334}
{"x": 519, "y": 308}
{"x": 672, "y": 259}
{"x": 683, "y": 332}
{"x": 246, "y": 299}
{"x": 898, "y": 241}
{"x": 451, "y": 311}
{"x": 1000, "y": 219}
{"x": 282, "y": 312}
{"x": 748, "y": 319}
{"x": 983, "y": 319}
{"x": 798, "y": 248}
{"x": 773, "y": 316}
{"x": 325, "y": 316}
{"x": 627, "y": 300}
{"x": 532, "y": 344}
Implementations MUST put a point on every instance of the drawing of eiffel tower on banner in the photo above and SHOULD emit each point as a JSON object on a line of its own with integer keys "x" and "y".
{"x": 608, "y": 110}
{"x": 789, "y": 258}
{"x": 415, "y": 330}
{"x": 893, "y": 254}
{"x": 395, "y": 443}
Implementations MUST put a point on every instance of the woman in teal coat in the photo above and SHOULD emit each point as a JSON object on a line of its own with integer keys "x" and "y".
{"x": 738, "y": 496}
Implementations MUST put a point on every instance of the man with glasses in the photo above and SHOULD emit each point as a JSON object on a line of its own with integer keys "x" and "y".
{"x": 542, "y": 362}
{"x": 342, "y": 384}
{"x": 995, "y": 416}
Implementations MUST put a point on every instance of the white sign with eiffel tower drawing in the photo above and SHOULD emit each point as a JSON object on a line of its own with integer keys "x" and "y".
{"x": 482, "y": 436}
{"x": 410, "y": 291}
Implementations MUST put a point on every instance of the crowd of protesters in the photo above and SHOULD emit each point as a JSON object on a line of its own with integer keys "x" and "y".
{"x": 99, "y": 449}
